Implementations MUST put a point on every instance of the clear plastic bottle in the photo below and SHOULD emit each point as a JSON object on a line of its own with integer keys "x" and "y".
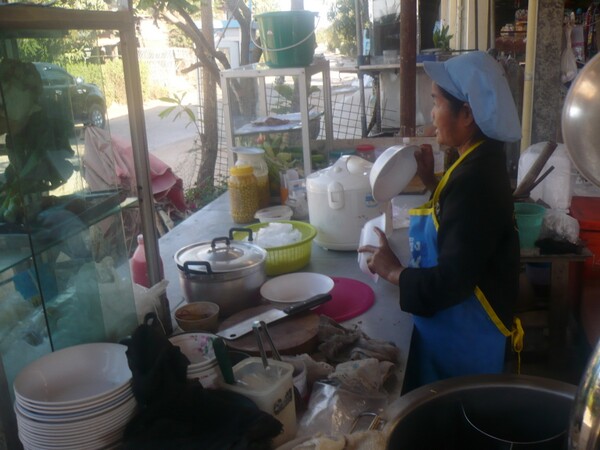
{"x": 255, "y": 157}
{"x": 243, "y": 193}
{"x": 139, "y": 266}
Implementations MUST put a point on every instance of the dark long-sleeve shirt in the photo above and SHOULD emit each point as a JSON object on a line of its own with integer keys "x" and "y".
{"x": 478, "y": 244}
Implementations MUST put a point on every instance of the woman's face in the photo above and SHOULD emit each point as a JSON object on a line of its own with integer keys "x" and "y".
{"x": 446, "y": 121}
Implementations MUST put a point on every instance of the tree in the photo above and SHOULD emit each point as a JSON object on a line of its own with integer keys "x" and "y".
{"x": 180, "y": 14}
{"x": 341, "y": 34}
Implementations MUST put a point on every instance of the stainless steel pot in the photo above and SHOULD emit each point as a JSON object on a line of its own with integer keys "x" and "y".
{"x": 503, "y": 411}
{"x": 584, "y": 429}
{"x": 580, "y": 116}
{"x": 228, "y": 273}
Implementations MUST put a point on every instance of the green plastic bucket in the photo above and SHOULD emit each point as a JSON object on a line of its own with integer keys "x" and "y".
{"x": 529, "y": 222}
{"x": 287, "y": 38}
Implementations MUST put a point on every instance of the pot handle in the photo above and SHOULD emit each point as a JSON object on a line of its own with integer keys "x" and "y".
{"x": 188, "y": 271}
{"x": 242, "y": 230}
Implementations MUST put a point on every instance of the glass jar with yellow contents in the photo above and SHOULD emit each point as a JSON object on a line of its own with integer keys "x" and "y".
{"x": 255, "y": 157}
{"x": 243, "y": 193}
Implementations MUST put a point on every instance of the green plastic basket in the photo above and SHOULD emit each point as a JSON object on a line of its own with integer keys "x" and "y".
{"x": 286, "y": 258}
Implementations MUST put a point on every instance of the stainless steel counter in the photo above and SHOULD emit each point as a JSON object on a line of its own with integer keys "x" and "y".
{"x": 384, "y": 320}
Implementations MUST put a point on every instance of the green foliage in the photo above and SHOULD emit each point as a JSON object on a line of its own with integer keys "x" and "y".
{"x": 287, "y": 97}
{"x": 441, "y": 38}
{"x": 109, "y": 77}
{"x": 341, "y": 35}
{"x": 62, "y": 50}
{"x": 199, "y": 196}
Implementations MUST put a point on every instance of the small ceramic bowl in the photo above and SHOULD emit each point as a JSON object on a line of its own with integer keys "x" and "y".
{"x": 198, "y": 316}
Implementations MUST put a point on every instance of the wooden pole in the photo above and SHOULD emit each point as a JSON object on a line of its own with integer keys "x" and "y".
{"x": 408, "y": 67}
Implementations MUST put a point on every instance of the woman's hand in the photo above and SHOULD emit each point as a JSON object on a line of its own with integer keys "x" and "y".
{"x": 425, "y": 166}
{"x": 383, "y": 260}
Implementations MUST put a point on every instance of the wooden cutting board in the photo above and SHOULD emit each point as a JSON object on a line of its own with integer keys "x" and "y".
{"x": 291, "y": 335}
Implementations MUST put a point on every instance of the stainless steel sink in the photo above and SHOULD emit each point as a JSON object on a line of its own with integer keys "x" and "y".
{"x": 483, "y": 412}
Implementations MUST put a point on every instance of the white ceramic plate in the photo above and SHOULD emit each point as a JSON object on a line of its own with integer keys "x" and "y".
{"x": 80, "y": 408}
{"x": 392, "y": 172}
{"x": 74, "y": 375}
{"x": 295, "y": 287}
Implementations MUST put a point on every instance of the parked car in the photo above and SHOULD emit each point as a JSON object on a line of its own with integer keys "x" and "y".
{"x": 62, "y": 90}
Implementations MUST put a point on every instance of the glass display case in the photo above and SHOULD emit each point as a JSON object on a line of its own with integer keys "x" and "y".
{"x": 64, "y": 262}
{"x": 280, "y": 110}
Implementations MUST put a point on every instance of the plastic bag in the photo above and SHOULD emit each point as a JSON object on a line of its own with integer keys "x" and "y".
{"x": 148, "y": 300}
{"x": 559, "y": 226}
{"x": 369, "y": 237}
{"x": 568, "y": 62}
{"x": 332, "y": 409}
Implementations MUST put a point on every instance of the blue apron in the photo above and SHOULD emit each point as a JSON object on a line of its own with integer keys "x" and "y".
{"x": 465, "y": 339}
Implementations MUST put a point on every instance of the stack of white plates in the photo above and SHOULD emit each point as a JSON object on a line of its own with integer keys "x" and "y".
{"x": 199, "y": 350}
{"x": 74, "y": 399}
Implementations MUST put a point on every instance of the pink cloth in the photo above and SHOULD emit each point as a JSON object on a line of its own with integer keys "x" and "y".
{"x": 108, "y": 163}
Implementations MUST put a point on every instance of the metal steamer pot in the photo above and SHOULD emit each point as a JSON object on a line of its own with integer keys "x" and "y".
{"x": 580, "y": 116}
{"x": 223, "y": 271}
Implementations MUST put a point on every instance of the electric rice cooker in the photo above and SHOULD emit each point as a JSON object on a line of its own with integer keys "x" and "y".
{"x": 340, "y": 202}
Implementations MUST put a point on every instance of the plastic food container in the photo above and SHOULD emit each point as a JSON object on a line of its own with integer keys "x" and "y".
{"x": 271, "y": 389}
{"x": 287, "y": 258}
{"x": 273, "y": 213}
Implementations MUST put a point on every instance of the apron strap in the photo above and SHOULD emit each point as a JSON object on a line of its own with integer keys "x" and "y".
{"x": 516, "y": 332}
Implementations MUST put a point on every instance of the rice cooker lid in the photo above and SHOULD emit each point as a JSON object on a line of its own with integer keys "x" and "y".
{"x": 352, "y": 172}
{"x": 392, "y": 172}
{"x": 222, "y": 255}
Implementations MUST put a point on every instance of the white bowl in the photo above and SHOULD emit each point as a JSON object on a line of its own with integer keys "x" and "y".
{"x": 392, "y": 172}
{"x": 74, "y": 375}
{"x": 197, "y": 347}
{"x": 296, "y": 287}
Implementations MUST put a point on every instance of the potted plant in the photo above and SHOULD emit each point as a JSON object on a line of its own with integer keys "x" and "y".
{"x": 441, "y": 40}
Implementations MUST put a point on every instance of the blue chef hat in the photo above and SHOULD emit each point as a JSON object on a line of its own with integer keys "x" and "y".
{"x": 479, "y": 80}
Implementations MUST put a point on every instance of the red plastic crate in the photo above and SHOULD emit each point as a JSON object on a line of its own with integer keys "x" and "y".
{"x": 587, "y": 212}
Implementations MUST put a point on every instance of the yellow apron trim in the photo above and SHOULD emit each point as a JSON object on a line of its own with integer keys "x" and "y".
{"x": 516, "y": 339}
{"x": 444, "y": 180}
{"x": 424, "y": 210}
{"x": 490, "y": 312}
{"x": 516, "y": 333}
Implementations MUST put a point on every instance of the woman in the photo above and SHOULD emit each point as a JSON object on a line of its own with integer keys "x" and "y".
{"x": 461, "y": 284}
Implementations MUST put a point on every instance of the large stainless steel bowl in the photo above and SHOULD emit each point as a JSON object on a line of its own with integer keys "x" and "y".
{"x": 581, "y": 133}
{"x": 483, "y": 412}
{"x": 580, "y": 119}
{"x": 584, "y": 430}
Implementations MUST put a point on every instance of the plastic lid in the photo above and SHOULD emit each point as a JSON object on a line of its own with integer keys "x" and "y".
{"x": 365, "y": 148}
{"x": 279, "y": 212}
{"x": 241, "y": 170}
{"x": 222, "y": 256}
{"x": 248, "y": 150}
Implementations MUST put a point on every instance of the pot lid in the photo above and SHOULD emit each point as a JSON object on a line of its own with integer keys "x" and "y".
{"x": 222, "y": 255}
{"x": 392, "y": 172}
